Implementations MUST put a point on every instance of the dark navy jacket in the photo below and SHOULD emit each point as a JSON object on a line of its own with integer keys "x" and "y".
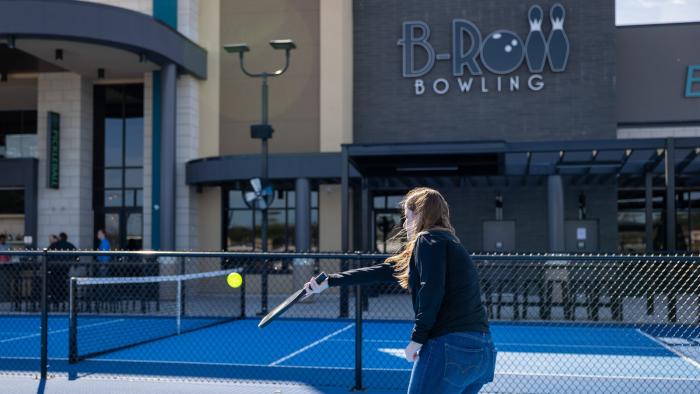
{"x": 444, "y": 286}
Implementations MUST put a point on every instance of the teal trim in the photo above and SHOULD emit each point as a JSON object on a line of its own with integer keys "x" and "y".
{"x": 690, "y": 80}
{"x": 166, "y": 12}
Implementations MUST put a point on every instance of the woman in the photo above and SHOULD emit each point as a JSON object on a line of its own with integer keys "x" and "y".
{"x": 450, "y": 345}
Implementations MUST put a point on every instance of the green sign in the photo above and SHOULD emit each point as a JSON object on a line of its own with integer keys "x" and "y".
{"x": 53, "y": 149}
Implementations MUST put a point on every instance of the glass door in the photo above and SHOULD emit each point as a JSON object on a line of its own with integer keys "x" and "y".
{"x": 118, "y": 158}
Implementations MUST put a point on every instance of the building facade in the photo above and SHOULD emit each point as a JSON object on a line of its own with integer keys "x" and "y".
{"x": 547, "y": 128}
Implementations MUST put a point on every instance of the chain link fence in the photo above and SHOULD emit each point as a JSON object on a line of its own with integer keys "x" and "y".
{"x": 561, "y": 323}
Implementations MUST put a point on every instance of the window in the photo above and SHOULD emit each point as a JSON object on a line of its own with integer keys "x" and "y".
{"x": 18, "y": 133}
{"x": 387, "y": 222}
{"x": 11, "y": 202}
{"x": 118, "y": 158}
{"x": 631, "y": 221}
{"x": 244, "y": 225}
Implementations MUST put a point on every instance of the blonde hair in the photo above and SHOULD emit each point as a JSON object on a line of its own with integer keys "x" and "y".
{"x": 432, "y": 213}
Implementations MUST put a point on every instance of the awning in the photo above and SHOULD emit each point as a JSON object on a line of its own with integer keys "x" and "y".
{"x": 91, "y": 36}
{"x": 488, "y": 163}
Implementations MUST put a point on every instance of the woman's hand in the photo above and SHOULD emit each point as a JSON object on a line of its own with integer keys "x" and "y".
{"x": 312, "y": 287}
{"x": 412, "y": 351}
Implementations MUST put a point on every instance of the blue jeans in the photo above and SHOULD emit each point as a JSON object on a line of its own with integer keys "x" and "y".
{"x": 454, "y": 363}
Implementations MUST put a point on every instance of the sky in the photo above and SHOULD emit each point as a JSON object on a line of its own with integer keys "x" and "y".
{"x": 644, "y": 12}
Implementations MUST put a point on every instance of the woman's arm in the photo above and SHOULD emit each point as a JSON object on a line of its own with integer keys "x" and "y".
{"x": 431, "y": 264}
{"x": 382, "y": 272}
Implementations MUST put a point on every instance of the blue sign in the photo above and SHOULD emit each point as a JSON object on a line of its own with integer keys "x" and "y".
{"x": 691, "y": 80}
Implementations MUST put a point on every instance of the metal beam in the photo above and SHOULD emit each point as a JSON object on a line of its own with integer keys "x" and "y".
{"x": 687, "y": 160}
{"x": 168, "y": 174}
{"x": 670, "y": 177}
{"x": 527, "y": 168}
{"x": 555, "y": 210}
{"x": 657, "y": 156}
{"x": 648, "y": 211}
{"x": 344, "y": 203}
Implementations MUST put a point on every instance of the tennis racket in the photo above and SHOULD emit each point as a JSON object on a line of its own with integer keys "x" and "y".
{"x": 291, "y": 300}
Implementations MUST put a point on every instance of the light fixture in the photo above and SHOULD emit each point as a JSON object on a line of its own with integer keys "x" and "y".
{"x": 3, "y": 77}
{"x": 100, "y": 73}
{"x": 237, "y": 48}
{"x": 142, "y": 58}
{"x": 11, "y": 42}
{"x": 58, "y": 55}
{"x": 287, "y": 45}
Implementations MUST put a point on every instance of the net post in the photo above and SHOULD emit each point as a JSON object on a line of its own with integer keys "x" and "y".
{"x": 44, "y": 315}
{"x": 358, "y": 337}
{"x": 73, "y": 321}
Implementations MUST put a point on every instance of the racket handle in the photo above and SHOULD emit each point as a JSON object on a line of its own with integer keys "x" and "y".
{"x": 321, "y": 278}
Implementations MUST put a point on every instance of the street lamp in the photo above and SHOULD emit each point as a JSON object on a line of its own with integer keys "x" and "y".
{"x": 263, "y": 131}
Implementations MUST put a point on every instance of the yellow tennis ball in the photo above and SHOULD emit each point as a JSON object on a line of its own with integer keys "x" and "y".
{"x": 234, "y": 279}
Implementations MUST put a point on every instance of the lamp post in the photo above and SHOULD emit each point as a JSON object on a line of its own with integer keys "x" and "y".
{"x": 263, "y": 131}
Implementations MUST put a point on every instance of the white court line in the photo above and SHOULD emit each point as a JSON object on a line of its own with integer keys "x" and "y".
{"x": 516, "y": 344}
{"x": 406, "y": 341}
{"x": 506, "y": 373}
{"x": 613, "y": 377}
{"x": 60, "y": 331}
{"x": 238, "y": 364}
{"x": 672, "y": 350}
{"x": 309, "y": 346}
{"x": 675, "y": 341}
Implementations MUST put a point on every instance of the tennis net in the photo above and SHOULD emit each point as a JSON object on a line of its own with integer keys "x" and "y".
{"x": 108, "y": 314}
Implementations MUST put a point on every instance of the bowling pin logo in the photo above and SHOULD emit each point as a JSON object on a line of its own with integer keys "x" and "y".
{"x": 558, "y": 43}
{"x": 535, "y": 43}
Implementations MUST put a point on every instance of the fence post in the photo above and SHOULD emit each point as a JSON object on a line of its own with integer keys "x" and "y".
{"x": 264, "y": 289}
{"x": 358, "y": 337}
{"x": 344, "y": 292}
{"x": 243, "y": 290}
{"x": 44, "y": 316}
{"x": 73, "y": 321}
{"x": 181, "y": 289}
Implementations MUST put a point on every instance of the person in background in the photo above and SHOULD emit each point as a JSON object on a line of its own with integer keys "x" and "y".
{"x": 59, "y": 269}
{"x": 63, "y": 243}
{"x": 104, "y": 245}
{"x": 52, "y": 240}
{"x": 4, "y": 246}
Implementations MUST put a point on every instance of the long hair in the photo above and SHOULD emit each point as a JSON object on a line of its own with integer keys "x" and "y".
{"x": 431, "y": 212}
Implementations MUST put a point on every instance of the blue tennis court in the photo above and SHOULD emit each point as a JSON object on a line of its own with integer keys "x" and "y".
{"x": 533, "y": 357}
